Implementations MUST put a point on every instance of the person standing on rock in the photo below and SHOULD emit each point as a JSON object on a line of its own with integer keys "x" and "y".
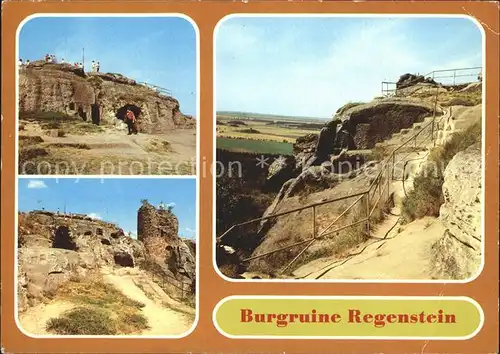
{"x": 98, "y": 66}
{"x": 131, "y": 122}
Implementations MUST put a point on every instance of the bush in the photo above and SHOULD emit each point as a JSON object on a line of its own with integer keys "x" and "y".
{"x": 426, "y": 197}
{"x": 82, "y": 321}
{"x": 137, "y": 321}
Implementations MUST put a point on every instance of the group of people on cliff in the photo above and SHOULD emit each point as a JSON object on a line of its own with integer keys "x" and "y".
{"x": 96, "y": 66}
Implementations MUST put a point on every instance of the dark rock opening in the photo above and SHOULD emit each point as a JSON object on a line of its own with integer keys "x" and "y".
{"x": 72, "y": 106}
{"x": 87, "y": 233}
{"x": 105, "y": 241}
{"x": 124, "y": 259}
{"x": 121, "y": 112}
{"x": 117, "y": 234}
{"x": 95, "y": 114}
{"x": 99, "y": 231}
{"x": 63, "y": 239}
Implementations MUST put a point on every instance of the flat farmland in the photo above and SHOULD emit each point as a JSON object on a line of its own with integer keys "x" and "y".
{"x": 265, "y": 129}
{"x": 255, "y": 146}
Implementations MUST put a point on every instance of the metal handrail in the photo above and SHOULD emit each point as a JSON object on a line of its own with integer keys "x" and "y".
{"x": 386, "y": 90}
{"x": 387, "y": 164}
{"x": 160, "y": 89}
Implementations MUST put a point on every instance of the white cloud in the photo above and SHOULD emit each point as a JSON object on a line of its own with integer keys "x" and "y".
{"x": 36, "y": 184}
{"x": 190, "y": 230}
{"x": 95, "y": 216}
{"x": 171, "y": 205}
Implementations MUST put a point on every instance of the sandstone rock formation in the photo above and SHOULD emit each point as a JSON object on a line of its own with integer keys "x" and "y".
{"x": 158, "y": 229}
{"x": 376, "y": 121}
{"x": 458, "y": 253}
{"x": 54, "y": 248}
{"x": 407, "y": 80}
{"x": 96, "y": 97}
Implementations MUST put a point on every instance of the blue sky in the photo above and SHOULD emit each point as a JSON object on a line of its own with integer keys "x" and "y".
{"x": 158, "y": 50}
{"x": 113, "y": 200}
{"x": 312, "y": 66}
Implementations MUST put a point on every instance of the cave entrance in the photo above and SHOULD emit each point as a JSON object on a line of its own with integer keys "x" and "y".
{"x": 124, "y": 259}
{"x": 95, "y": 114}
{"x": 62, "y": 239}
{"x": 122, "y": 111}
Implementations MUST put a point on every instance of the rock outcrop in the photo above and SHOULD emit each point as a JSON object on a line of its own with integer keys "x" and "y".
{"x": 458, "y": 253}
{"x": 407, "y": 80}
{"x": 97, "y": 97}
{"x": 158, "y": 229}
{"x": 376, "y": 121}
{"x": 54, "y": 248}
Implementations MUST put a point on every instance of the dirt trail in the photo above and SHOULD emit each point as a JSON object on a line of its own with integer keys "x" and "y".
{"x": 35, "y": 319}
{"x": 162, "y": 319}
{"x": 165, "y": 315}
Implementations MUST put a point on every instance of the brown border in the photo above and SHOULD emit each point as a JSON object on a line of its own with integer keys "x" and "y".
{"x": 205, "y": 338}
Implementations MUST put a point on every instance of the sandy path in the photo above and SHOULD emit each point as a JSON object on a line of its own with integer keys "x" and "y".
{"x": 35, "y": 319}
{"x": 162, "y": 320}
{"x": 405, "y": 256}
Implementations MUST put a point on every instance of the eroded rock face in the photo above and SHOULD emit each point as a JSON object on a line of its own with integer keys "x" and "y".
{"x": 54, "y": 248}
{"x": 42, "y": 270}
{"x": 158, "y": 229}
{"x": 461, "y": 213}
{"x": 96, "y": 97}
{"x": 407, "y": 80}
{"x": 370, "y": 123}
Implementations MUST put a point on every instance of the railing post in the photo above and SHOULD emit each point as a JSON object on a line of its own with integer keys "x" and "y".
{"x": 388, "y": 182}
{"x": 393, "y": 164}
{"x": 368, "y": 213}
{"x": 314, "y": 221}
{"x": 434, "y": 116}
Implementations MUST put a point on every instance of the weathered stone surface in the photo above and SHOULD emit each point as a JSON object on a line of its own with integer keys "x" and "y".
{"x": 96, "y": 97}
{"x": 42, "y": 270}
{"x": 280, "y": 171}
{"x": 376, "y": 121}
{"x": 461, "y": 210}
{"x": 407, "y": 80}
{"x": 54, "y": 247}
{"x": 158, "y": 229}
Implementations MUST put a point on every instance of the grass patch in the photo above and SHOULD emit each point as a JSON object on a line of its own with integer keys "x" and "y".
{"x": 255, "y": 146}
{"x": 30, "y": 140}
{"x": 83, "y": 321}
{"x": 426, "y": 197}
{"x": 62, "y": 122}
{"x": 463, "y": 99}
{"x": 159, "y": 146}
{"x": 70, "y": 145}
{"x": 102, "y": 310}
{"x": 348, "y": 106}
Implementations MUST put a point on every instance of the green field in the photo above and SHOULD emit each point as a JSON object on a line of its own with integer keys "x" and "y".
{"x": 255, "y": 146}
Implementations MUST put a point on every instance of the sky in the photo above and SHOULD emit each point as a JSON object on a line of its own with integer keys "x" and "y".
{"x": 312, "y": 66}
{"x": 157, "y": 50}
{"x": 113, "y": 200}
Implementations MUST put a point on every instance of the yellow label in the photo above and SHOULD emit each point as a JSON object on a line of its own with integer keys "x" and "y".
{"x": 437, "y": 317}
